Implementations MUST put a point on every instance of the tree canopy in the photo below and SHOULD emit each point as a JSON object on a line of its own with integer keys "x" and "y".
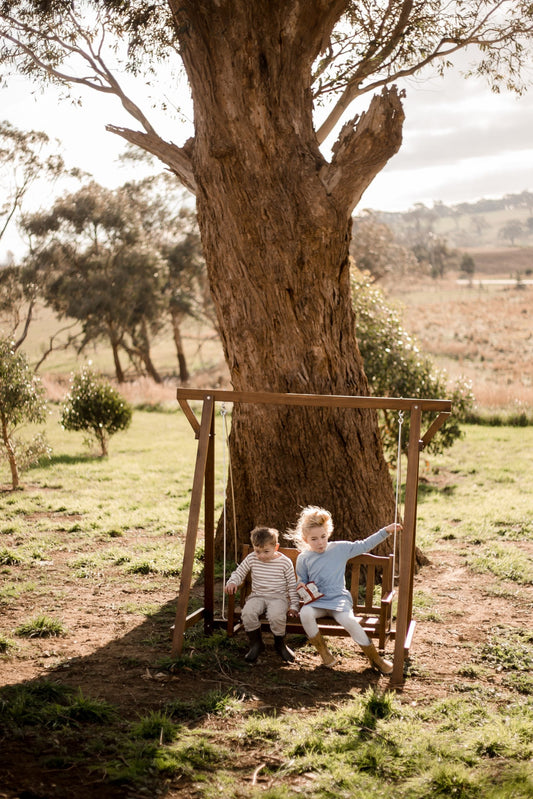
{"x": 119, "y": 263}
{"x": 356, "y": 48}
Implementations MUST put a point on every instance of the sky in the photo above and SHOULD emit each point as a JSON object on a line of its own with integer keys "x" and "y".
{"x": 461, "y": 142}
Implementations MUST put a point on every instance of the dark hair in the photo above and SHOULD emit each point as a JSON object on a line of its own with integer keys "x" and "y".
{"x": 261, "y": 536}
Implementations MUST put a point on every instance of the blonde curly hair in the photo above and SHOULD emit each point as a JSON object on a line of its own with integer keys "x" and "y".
{"x": 311, "y": 516}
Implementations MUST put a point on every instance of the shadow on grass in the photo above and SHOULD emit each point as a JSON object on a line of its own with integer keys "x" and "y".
{"x": 137, "y": 676}
{"x": 428, "y": 489}
{"x": 45, "y": 463}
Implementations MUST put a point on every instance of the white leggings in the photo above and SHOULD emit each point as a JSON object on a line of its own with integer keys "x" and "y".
{"x": 309, "y": 615}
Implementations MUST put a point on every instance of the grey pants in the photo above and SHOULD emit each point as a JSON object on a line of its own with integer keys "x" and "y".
{"x": 276, "y": 613}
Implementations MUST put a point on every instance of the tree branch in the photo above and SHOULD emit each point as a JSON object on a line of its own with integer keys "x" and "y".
{"x": 103, "y": 80}
{"x": 380, "y": 62}
{"x": 176, "y": 158}
{"x": 363, "y": 148}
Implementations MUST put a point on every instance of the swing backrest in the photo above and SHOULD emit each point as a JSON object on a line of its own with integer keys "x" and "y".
{"x": 365, "y": 573}
{"x": 368, "y": 573}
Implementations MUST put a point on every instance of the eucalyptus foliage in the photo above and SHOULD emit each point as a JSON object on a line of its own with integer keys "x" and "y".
{"x": 395, "y": 367}
{"x": 21, "y": 400}
{"x": 93, "y": 405}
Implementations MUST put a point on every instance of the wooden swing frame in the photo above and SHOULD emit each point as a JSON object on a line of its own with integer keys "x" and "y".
{"x": 204, "y": 484}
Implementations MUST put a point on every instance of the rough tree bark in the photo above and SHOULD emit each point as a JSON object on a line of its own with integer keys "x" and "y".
{"x": 275, "y": 220}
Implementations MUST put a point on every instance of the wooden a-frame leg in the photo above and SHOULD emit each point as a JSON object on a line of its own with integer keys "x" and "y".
{"x": 407, "y": 549}
{"x": 192, "y": 527}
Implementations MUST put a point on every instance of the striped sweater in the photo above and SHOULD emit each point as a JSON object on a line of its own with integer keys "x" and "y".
{"x": 270, "y": 580}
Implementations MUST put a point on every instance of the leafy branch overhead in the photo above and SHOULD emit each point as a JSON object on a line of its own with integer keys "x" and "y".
{"x": 362, "y": 49}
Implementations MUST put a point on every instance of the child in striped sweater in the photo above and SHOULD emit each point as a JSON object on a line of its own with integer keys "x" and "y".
{"x": 273, "y": 591}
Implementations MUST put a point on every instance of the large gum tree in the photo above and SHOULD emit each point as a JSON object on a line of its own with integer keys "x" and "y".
{"x": 274, "y": 209}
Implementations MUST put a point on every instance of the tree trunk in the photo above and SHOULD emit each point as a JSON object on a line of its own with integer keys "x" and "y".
{"x": 10, "y": 454}
{"x": 142, "y": 345}
{"x": 178, "y": 341}
{"x": 115, "y": 344}
{"x": 275, "y": 220}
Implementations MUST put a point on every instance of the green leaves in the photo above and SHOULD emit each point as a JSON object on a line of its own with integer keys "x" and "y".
{"x": 95, "y": 406}
{"x": 395, "y": 367}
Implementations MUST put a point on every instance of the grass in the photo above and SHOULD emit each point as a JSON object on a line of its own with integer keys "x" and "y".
{"x": 40, "y": 627}
{"x": 121, "y": 521}
{"x": 374, "y": 746}
{"x": 480, "y": 492}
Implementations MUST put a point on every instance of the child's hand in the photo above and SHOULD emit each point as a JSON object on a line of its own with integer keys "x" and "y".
{"x": 230, "y": 588}
{"x": 292, "y": 614}
{"x": 392, "y": 528}
{"x": 300, "y": 585}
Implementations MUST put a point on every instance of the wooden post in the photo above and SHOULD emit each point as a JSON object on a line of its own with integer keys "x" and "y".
{"x": 407, "y": 549}
{"x": 192, "y": 526}
{"x": 209, "y": 533}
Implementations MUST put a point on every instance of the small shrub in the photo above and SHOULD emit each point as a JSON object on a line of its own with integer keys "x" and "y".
{"x": 6, "y": 644}
{"x": 156, "y": 725}
{"x": 94, "y": 406}
{"x": 453, "y": 781}
{"x": 80, "y": 710}
{"x": 377, "y": 706}
{"x": 8, "y": 558}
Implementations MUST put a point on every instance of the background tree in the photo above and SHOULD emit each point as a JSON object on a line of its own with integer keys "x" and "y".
{"x": 27, "y": 160}
{"x": 21, "y": 400}
{"x": 26, "y": 157}
{"x": 274, "y": 212}
{"x": 186, "y": 290}
{"x": 512, "y": 230}
{"x": 376, "y": 250}
{"x": 433, "y": 255}
{"x": 170, "y": 224}
{"x": 97, "y": 265}
{"x": 467, "y": 265}
{"x": 94, "y": 406}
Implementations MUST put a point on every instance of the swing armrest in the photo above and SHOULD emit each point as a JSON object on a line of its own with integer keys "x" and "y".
{"x": 387, "y": 600}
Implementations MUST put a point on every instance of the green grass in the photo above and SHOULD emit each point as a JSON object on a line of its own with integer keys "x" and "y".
{"x": 41, "y": 627}
{"x": 122, "y": 520}
{"x": 480, "y": 491}
{"x": 374, "y": 746}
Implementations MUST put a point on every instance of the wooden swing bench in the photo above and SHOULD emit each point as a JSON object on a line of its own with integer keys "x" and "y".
{"x": 376, "y": 618}
{"x": 367, "y": 572}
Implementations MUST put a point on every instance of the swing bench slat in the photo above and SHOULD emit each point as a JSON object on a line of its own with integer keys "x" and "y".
{"x": 368, "y": 574}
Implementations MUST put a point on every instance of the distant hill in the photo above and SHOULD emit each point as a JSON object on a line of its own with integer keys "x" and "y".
{"x": 485, "y": 224}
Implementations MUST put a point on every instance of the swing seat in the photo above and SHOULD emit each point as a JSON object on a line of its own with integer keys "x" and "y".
{"x": 367, "y": 575}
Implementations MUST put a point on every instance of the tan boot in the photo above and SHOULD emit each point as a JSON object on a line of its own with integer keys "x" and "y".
{"x": 318, "y": 642}
{"x": 384, "y": 666}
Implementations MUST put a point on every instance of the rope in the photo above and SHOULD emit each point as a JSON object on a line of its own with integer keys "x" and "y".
{"x": 226, "y": 468}
{"x": 398, "y": 487}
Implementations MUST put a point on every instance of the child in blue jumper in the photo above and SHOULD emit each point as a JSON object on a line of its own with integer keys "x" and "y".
{"x": 324, "y": 562}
